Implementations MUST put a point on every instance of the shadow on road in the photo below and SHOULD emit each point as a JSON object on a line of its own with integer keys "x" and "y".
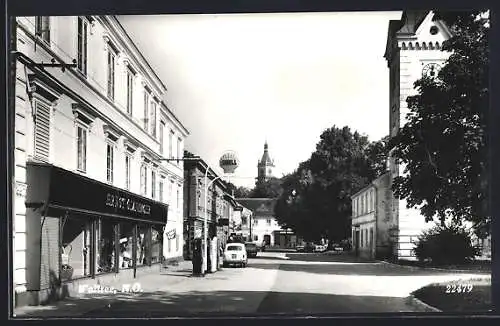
{"x": 235, "y": 303}
{"x": 371, "y": 269}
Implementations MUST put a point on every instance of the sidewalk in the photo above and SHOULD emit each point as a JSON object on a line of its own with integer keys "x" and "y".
{"x": 85, "y": 303}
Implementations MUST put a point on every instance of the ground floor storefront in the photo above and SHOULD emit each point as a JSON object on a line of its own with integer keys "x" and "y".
{"x": 79, "y": 229}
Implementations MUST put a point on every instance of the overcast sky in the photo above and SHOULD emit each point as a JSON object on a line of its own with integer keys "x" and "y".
{"x": 235, "y": 80}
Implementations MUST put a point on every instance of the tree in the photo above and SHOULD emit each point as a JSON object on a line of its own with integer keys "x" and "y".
{"x": 377, "y": 152}
{"x": 443, "y": 145}
{"x": 270, "y": 188}
{"x": 239, "y": 192}
{"x": 316, "y": 198}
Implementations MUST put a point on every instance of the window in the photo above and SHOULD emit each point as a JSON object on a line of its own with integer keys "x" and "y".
{"x": 243, "y": 220}
{"x": 81, "y": 140}
{"x": 127, "y": 172}
{"x": 179, "y": 143}
{"x": 160, "y": 190}
{"x": 152, "y": 127}
{"x": 153, "y": 184}
{"x": 268, "y": 221}
{"x": 143, "y": 179}
{"x": 130, "y": 91}
{"x": 126, "y": 254}
{"x": 170, "y": 191}
{"x": 143, "y": 253}
{"x": 170, "y": 144}
{"x": 83, "y": 27}
{"x": 162, "y": 130}
{"x": 146, "y": 110}
{"x": 42, "y": 28}
{"x": 362, "y": 243}
{"x": 42, "y": 131}
{"x": 255, "y": 238}
{"x": 111, "y": 73}
{"x": 109, "y": 162}
{"x": 255, "y": 221}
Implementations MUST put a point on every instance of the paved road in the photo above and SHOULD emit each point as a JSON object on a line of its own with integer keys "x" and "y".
{"x": 276, "y": 283}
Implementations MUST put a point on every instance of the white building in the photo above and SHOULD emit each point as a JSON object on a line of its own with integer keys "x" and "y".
{"x": 263, "y": 226}
{"x": 91, "y": 189}
{"x": 413, "y": 50}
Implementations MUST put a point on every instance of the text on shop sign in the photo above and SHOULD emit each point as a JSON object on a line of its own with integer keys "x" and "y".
{"x": 127, "y": 204}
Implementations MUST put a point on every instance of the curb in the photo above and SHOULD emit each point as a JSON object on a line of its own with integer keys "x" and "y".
{"x": 422, "y": 306}
{"x": 436, "y": 269}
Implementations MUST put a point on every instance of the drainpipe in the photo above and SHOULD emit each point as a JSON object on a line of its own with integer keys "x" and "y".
{"x": 376, "y": 217}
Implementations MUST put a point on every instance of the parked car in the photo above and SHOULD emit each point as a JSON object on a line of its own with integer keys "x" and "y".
{"x": 235, "y": 254}
{"x": 251, "y": 249}
{"x": 319, "y": 248}
{"x": 309, "y": 247}
{"x": 299, "y": 248}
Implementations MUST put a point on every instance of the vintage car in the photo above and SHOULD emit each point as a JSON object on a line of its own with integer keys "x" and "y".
{"x": 251, "y": 249}
{"x": 235, "y": 254}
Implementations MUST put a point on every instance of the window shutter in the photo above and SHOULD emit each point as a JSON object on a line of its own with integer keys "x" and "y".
{"x": 42, "y": 132}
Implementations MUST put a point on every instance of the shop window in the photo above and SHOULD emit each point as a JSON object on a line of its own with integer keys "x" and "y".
{"x": 143, "y": 252}
{"x": 106, "y": 246}
{"x": 75, "y": 247}
{"x": 126, "y": 256}
{"x": 156, "y": 244}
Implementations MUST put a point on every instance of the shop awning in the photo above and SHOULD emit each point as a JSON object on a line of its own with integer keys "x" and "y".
{"x": 52, "y": 187}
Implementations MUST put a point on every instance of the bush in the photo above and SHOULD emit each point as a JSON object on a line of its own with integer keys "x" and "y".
{"x": 445, "y": 245}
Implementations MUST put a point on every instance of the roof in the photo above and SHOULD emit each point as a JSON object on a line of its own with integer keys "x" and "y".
{"x": 407, "y": 25}
{"x": 372, "y": 184}
{"x": 259, "y": 206}
{"x": 266, "y": 159}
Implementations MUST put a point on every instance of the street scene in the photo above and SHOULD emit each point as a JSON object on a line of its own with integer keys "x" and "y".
{"x": 272, "y": 283}
{"x": 242, "y": 165}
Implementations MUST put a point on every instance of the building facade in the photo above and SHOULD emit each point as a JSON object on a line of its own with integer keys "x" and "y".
{"x": 220, "y": 205}
{"x": 371, "y": 220}
{"x": 413, "y": 49}
{"x": 263, "y": 226}
{"x": 93, "y": 198}
{"x": 265, "y": 167}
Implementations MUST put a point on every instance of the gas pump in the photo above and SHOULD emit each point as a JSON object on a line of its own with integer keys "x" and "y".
{"x": 198, "y": 258}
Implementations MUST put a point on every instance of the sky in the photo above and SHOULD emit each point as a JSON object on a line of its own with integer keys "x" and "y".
{"x": 237, "y": 80}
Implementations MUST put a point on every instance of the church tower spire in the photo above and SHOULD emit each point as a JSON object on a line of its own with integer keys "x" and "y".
{"x": 265, "y": 166}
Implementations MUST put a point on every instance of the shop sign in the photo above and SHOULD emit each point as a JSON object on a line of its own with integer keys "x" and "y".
{"x": 127, "y": 204}
{"x": 171, "y": 234}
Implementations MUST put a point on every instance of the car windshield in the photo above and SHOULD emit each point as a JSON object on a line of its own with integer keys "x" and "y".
{"x": 234, "y": 248}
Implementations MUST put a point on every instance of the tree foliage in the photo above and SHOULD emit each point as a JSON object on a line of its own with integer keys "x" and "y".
{"x": 316, "y": 198}
{"x": 443, "y": 144}
{"x": 270, "y": 188}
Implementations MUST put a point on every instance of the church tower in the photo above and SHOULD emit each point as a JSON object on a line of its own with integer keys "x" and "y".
{"x": 265, "y": 166}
